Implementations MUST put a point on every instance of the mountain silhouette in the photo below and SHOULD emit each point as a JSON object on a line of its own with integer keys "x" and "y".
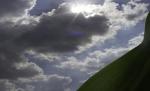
{"x": 130, "y": 72}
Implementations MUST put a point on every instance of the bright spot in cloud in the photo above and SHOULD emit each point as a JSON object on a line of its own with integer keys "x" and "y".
{"x": 82, "y": 8}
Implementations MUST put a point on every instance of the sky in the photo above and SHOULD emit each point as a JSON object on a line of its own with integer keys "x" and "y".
{"x": 56, "y": 45}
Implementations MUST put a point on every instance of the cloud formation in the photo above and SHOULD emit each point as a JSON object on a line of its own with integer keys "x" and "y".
{"x": 52, "y": 82}
{"x": 57, "y": 31}
{"x": 61, "y": 33}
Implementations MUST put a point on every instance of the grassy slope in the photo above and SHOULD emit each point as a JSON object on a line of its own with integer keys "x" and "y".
{"x": 131, "y": 72}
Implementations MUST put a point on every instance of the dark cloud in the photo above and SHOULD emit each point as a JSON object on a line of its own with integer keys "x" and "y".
{"x": 11, "y": 8}
{"x": 62, "y": 31}
{"x": 132, "y": 16}
{"x": 9, "y": 56}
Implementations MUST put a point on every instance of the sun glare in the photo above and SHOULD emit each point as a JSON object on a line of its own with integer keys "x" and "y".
{"x": 81, "y": 8}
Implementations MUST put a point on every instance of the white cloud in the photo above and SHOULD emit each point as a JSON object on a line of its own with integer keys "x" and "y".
{"x": 131, "y": 14}
{"x": 46, "y": 83}
{"x": 6, "y": 85}
{"x": 136, "y": 40}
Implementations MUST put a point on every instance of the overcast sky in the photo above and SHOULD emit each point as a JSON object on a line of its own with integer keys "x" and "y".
{"x": 56, "y": 45}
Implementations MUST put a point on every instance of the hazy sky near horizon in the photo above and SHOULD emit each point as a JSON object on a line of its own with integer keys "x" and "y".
{"x": 56, "y": 45}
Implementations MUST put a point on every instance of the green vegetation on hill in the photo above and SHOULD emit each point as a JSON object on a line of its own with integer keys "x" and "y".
{"x": 131, "y": 72}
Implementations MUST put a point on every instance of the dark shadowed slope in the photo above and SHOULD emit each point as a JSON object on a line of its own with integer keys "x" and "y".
{"x": 131, "y": 72}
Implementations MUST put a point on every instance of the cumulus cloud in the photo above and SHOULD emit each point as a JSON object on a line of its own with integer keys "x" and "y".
{"x": 47, "y": 36}
{"x": 6, "y": 85}
{"x": 57, "y": 31}
{"x": 52, "y": 82}
{"x": 135, "y": 11}
{"x": 129, "y": 15}
{"x": 79, "y": 67}
{"x": 41, "y": 83}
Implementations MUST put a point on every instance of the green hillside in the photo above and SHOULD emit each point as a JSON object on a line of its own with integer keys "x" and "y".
{"x": 131, "y": 72}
